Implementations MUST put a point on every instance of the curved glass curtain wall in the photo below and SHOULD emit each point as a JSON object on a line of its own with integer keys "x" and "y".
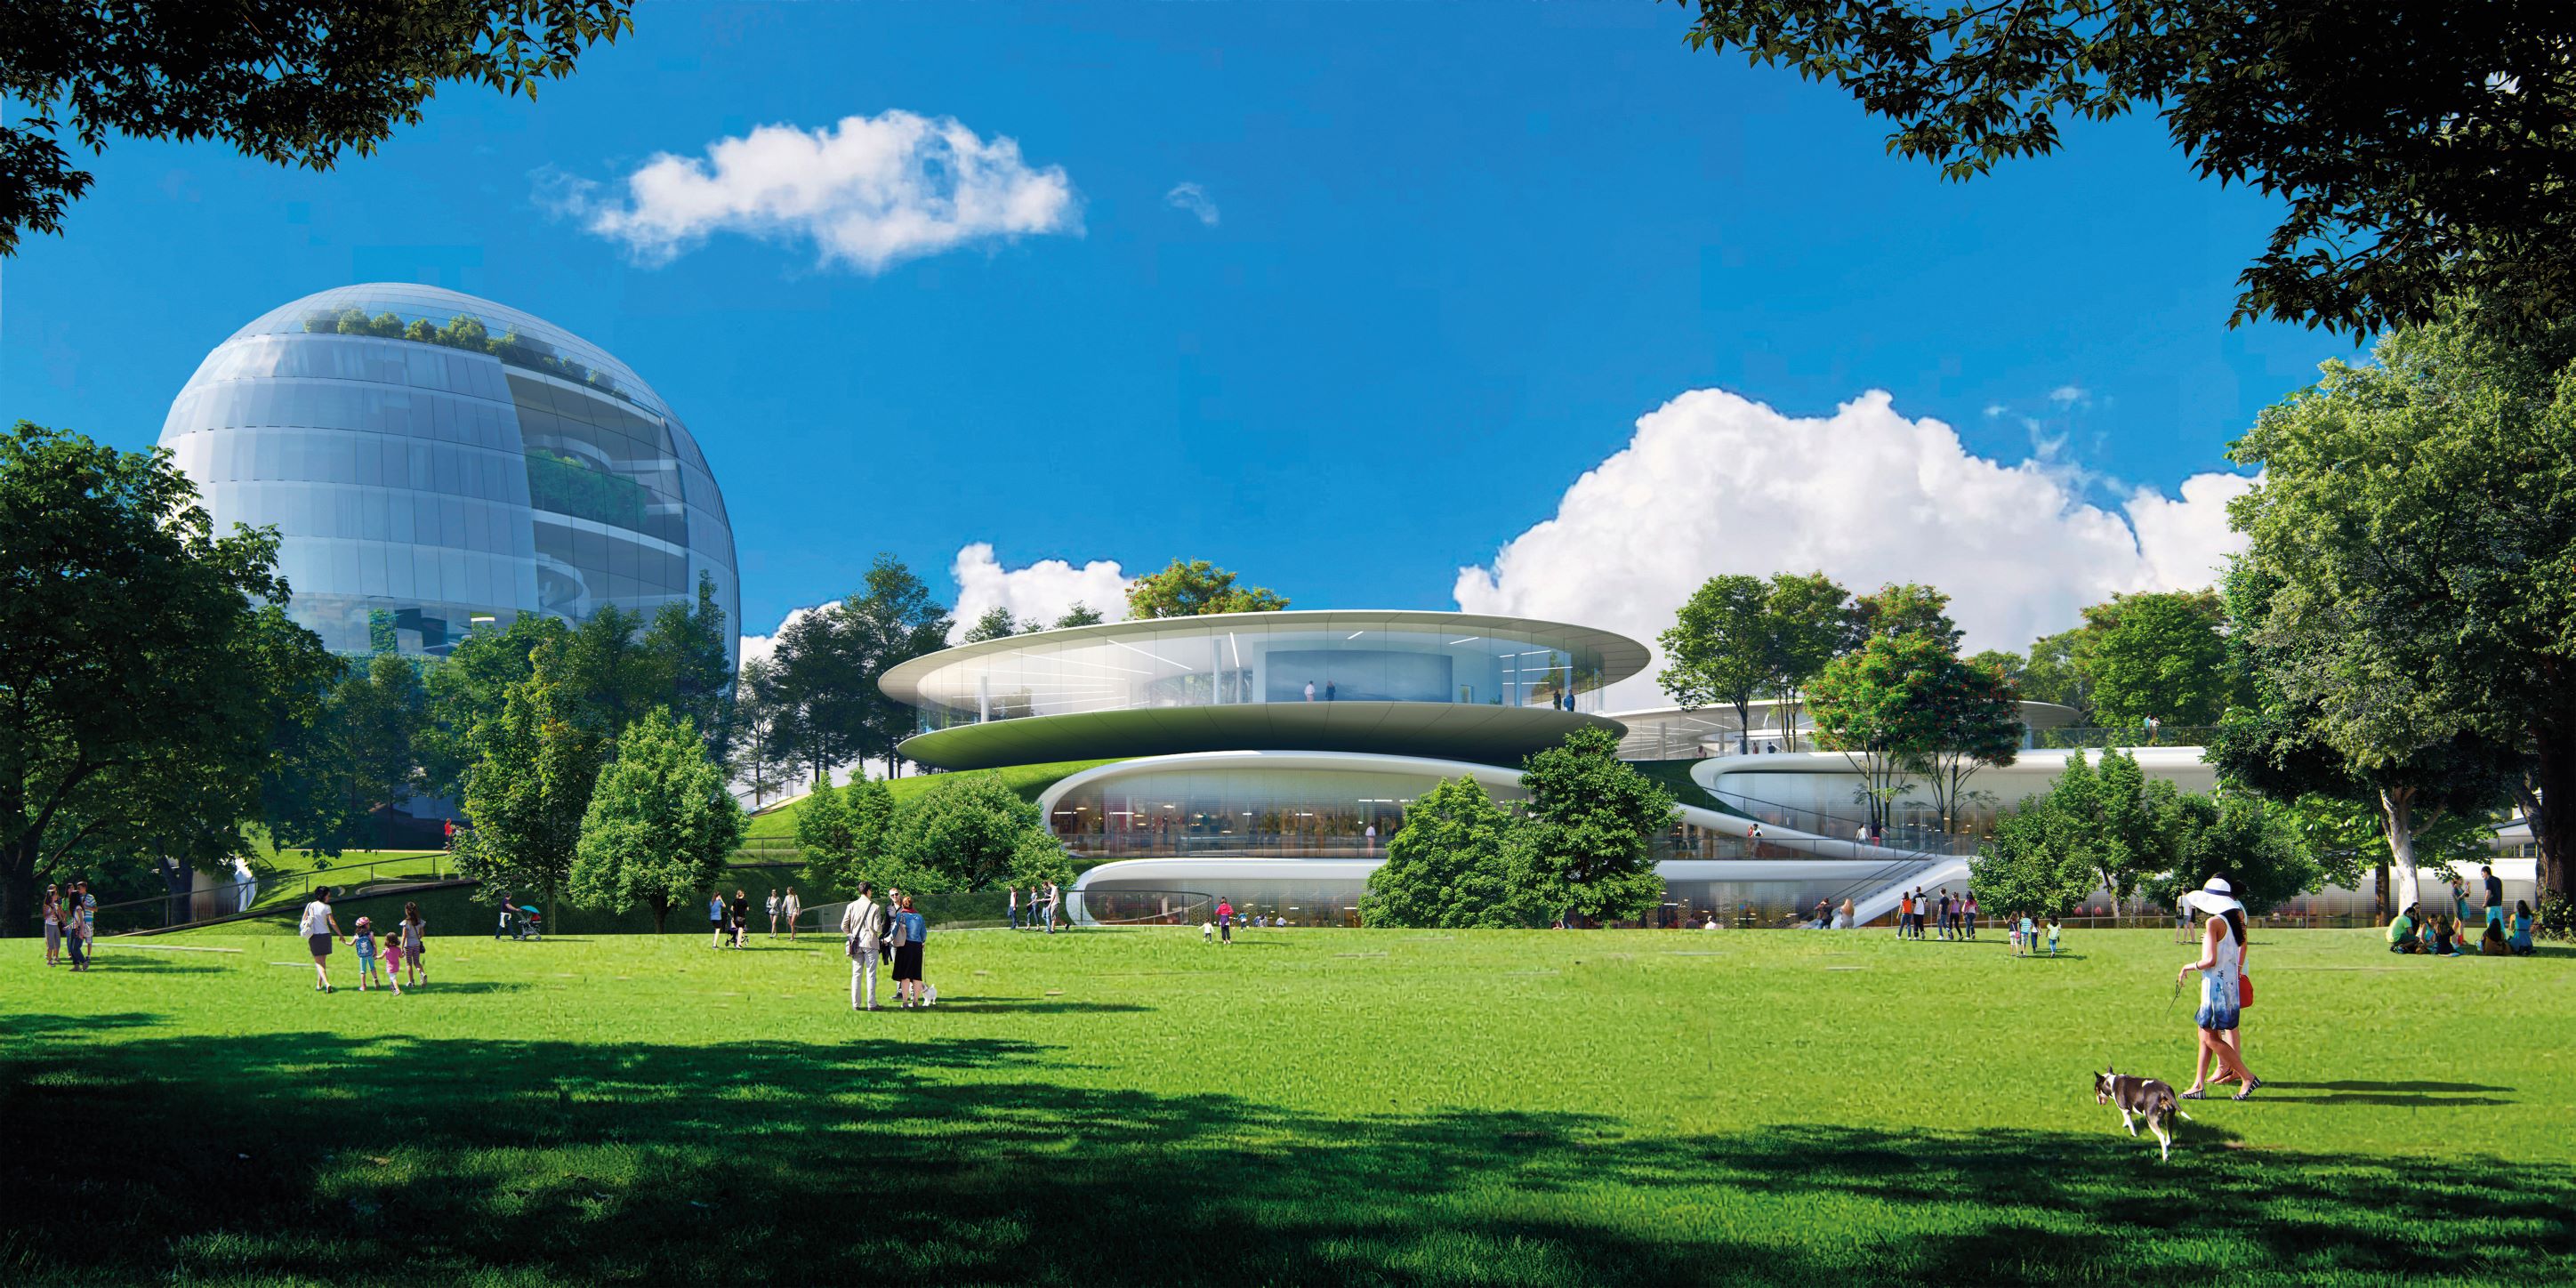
{"x": 1188, "y": 664}
{"x": 421, "y": 488}
{"x": 1285, "y": 813}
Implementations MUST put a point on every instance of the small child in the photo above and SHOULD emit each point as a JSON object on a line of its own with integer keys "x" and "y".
{"x": 2052, "y": 934}
{"x": 1207, "y": 932}
{"x": 365, "y": 942}
{"x": 2012, "y": 931}
{"x": 2029, "y": 936}
{"x": 393, "y": 961}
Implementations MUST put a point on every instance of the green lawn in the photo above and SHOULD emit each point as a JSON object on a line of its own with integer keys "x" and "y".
{"x": 1305, "y": 1106}
{"x": 1027, "y": 780}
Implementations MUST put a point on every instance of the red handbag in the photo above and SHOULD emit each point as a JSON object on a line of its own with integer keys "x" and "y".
{"x": 2244, "y": 991}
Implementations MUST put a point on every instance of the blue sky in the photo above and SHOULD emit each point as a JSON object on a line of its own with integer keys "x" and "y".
{"x": 1457, "y": 253}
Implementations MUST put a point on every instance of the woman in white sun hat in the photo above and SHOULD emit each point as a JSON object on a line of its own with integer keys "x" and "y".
{"x": 2222, "y": 960}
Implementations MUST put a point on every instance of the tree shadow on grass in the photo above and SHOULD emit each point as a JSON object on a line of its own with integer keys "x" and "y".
{"x": 915, "y": 1158}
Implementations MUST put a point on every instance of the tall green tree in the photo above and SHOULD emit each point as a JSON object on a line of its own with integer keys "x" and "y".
{"x": 1976, "y": 724}
{"x": 531, "y": 785}
{"x": 1446, "y": 867}
{"x": 687, "y": 650}
{"x": 996, "y": 624}
{"x": 2414, "y": 534}
{"x": 1896, "y": 610}
{"x": 1583, "y": 848}
{"x": 2055, "y": 673}
{"x": 659, "y": 824}
{"x": 1720, "y": 649}
{"x": 469, "y": 688}
{"x": 2436, "y": 163}
{"x": 894, "y": 620}
{"x": 291, "y": 82}
{"x": 1880, "y": 706}
{"x": 360, "y": 753}
{"x": 1194, "y": 588}
{"x": 146, "y": 675}
{"x": 763, "y": 756}
{"x": 1812, "y": 620}
{"x": 822, "y": 679}
{"x": 965, "y": 832}
{"x": 2252, "y": 842}
{"x": 1081, "y": 614}
{"x": 2162, "y": 654}
{"x": 824, "y": 838}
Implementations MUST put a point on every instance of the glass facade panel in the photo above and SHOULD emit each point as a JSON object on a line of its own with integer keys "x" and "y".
{"x": 1263, "y": 658}
{"x": 1254, "y": 811}
{"x": 442, "y": 477}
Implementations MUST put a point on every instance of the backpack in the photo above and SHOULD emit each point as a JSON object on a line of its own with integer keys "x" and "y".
{"x": 895, "y": 932}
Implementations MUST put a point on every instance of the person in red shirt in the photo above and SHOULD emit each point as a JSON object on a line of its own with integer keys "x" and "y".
{"x": 1225, "y": 921}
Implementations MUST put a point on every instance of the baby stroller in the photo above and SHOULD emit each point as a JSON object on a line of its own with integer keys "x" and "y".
{"x": 531, "y": 922}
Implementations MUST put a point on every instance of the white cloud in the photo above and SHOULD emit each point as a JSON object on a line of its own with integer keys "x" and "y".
{"x": 868, "y": 192}
{"x": 2069, "y": 395}
{"x": 1040, "y": 592}
{"x": 1194, "y": 199}
{"x": 1714, "y": 483}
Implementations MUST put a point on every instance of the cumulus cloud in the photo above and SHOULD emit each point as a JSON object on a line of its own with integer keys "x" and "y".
{"x": 1712, "y": 482}
{"x": 1040, "y": 592}
{"x": 1194, "y": 199}
{"x": 868, "y": 192}
{"x": 2070, "y": 396}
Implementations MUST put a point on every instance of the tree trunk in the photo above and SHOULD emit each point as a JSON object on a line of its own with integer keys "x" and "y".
{"x": 2553, "y": 781}
{"x": 1743, "y": 729}
{"x": 2397, "y": 815}
{"x": 661, "y": 911}
{"x": 17, "y": 898}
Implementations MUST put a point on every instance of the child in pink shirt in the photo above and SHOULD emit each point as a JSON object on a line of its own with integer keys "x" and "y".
{"x": 394, "y": 961}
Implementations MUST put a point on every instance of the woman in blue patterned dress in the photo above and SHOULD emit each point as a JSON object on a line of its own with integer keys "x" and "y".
{"x": 2222, "y": 957}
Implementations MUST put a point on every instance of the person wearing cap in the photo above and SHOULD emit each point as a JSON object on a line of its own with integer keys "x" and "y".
{"x": 2221, "y": 966}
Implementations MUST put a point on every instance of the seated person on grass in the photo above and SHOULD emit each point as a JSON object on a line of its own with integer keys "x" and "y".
{"x": 2520, "y": 943}
{"x": 2491, "y": 944}
{"x": 2401, "y": 933}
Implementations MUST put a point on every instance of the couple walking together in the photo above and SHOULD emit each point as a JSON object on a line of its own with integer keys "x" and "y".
{"x": 872, "y": 929}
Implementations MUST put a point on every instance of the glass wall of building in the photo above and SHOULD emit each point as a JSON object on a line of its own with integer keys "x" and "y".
{"x": 1261, "y": 658}
{"x": 434, "y": 462}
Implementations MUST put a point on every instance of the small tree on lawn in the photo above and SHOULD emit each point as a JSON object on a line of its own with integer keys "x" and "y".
{"x": 842, "y": 834}
{"x": 1446, "y": 867}
{"x": 660, "y": 821}
{"x": 964, "y": 833}
{"x": 1583, "y": 848}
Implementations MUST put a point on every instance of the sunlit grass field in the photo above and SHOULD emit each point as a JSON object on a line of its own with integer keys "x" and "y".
{"x": 1303, "y": 1106}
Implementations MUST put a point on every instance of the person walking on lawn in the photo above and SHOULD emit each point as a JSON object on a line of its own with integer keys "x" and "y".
{"x": 715, "y": 919}
{"x": 414, "y": 933}
{"x": 741, "y": 918}
{"x": 863, "y": 925}
{"x": 2222, "y": 958}
{"x": 792, "y": 906}
{"x": 320, "y": 928}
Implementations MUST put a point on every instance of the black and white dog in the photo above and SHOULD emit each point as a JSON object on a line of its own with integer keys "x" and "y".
{"x": 2144, "y": 1098}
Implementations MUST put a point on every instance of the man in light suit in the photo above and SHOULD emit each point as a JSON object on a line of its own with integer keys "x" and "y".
{"x": 863, "y": 924}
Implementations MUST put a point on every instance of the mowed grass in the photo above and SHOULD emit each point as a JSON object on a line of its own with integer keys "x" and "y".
{"x": 1304, "y": 1106}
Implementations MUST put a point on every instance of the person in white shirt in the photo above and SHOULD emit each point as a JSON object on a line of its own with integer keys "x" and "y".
{"x": 1053, "y": 896}
{"x": 791, "y": 905}
{"x": 1014, "y": 892}
{"x": 863, "y": 931}
{"x": 773, "y": 914}
{"x": 319, "y": 928}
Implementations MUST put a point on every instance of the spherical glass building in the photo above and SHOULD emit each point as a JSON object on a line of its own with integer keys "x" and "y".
{"x": 433, "y": 461}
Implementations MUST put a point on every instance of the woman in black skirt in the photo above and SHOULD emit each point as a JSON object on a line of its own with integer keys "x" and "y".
{"x": 907, "y": 955}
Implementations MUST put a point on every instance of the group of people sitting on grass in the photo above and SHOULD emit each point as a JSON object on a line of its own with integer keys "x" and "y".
{"x": 2444, "y": 935}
